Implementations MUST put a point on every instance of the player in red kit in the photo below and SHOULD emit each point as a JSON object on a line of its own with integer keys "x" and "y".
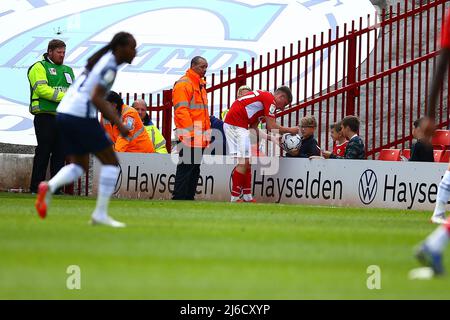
{"x": 246, "y": 113}
{"x": 431, "y": 250}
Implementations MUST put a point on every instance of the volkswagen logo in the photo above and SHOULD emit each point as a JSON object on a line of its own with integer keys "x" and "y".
{"x": 368, "y": 185}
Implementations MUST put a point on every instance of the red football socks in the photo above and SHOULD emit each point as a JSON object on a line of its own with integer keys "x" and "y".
{"x": 238, "y": 180}
{"x": 247, "y": 188}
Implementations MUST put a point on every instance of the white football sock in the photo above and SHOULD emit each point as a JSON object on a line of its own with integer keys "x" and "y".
{"x": 234, "y": 199}
{"x": 67, "y": 174}
{"x": 437, "y": 241}
{"x": 107, "y": 182}
{"x": 443, "y": 195}
{"x": 247, "y": 197}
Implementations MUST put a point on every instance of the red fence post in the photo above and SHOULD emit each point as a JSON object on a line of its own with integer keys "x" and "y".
{"x": 241, "y": 77}
{"x": 167, "y": 118}
{"x": 351, "y": 75}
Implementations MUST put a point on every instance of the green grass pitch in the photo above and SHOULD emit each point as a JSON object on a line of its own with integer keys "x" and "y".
{"x": 210, "y": 250}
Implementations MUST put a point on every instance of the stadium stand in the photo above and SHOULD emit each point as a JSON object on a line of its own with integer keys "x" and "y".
{"x": 445, "y": 156}
{"x": 438, "y": 155}
{"x": 389, "y": 155}
{"x": 441, "y": 140}
{"x": 406, "y": 153}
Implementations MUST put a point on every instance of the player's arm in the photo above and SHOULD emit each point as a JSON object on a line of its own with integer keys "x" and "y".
{"x": 436, "y": 83}
{"x": 106, "y": 109}
{"x": 273, "y": 125}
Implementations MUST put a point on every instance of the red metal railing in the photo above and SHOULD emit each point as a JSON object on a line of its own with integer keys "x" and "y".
{"x": 377, "y": 68}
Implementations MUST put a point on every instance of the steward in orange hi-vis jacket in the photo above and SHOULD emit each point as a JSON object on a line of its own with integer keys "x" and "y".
{"x": 191, "y": 110}
{"x": 193, "y": 127}
{"x": 138, "y": 139}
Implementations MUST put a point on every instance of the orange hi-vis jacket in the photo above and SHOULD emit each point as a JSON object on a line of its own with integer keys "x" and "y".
{"x": 137, "y": 140}
{"x": 191, "y": 114}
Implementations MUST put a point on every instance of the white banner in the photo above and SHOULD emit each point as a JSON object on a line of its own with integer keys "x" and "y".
{"x": 356, "y": 183}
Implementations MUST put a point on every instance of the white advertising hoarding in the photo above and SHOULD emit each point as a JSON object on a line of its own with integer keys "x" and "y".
{"x": 355, "y": 183}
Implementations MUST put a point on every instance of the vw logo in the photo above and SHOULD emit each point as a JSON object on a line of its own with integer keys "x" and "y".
{"x": 368, "y": 185}
{"x": 119, "y": 181}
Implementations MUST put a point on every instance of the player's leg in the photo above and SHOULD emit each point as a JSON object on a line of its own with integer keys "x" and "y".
{"x": 109, "y": 172}
{"x": 70, "y": 129}
{"x": 238, "y": 177}
{"x": 242, "y": 150}
{"x": 247, "y": 187}
{"x": 442, "y": 198}
{"x": 68, "y": 174}
{"x": 430, "y": 252}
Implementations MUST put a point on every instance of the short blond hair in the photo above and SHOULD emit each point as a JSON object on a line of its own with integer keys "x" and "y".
{"x": 308, "y": 121}
{"x": 242, "y": 88}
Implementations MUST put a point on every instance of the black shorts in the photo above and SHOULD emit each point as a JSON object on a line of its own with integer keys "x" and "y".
{"x": 81, "y": 135}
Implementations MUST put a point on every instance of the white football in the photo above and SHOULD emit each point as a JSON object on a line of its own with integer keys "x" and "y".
{"x": 291, "y": 142}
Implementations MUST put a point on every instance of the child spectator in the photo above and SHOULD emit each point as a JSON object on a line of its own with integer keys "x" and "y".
{"x": 339, "y": 140}
{"x": 355, "y": 148}
{"x": 309, "y": 146}
{"x": 422, "y": 150}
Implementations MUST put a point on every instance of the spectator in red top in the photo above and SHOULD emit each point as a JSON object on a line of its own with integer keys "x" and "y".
{"x": 339, "y": 140}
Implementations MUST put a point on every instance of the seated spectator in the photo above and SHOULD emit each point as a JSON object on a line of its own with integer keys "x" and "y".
{"x": 153, "y": 132}
{"x": 355, "y": 148}
{"x": 309, "y": 146}
{"x": 422, "y": 150}
{"x": 339, "y": 140}
{"x": 217, "y": 135}
{"x": 138, "y": 139}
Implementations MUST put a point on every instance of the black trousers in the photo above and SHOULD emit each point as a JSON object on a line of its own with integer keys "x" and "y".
{"x": 188, "y": 173}
{"x": 49, "y": 148}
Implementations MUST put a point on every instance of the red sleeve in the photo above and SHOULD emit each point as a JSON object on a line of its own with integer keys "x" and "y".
{"x": 268, "y": 103}
{"x": 445, "y": 32}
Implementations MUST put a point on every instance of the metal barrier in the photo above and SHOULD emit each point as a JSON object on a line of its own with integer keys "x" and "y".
{"x": 377, "y": 68}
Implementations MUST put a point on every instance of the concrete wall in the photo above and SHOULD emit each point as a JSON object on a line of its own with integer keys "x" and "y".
{"x": 15, "y": 171}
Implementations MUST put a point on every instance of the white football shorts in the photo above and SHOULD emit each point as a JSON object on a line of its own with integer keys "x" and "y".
{"x": 238, "y": 141}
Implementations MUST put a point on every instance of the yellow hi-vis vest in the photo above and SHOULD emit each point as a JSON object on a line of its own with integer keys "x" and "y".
{"x": 157, "y": 138}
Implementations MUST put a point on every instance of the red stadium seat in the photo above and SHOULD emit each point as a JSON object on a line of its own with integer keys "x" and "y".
{"x": 441, "y": 139}
{"x": 438, "y": 155}
{"x": 389, "y": 155}
{"x": 406, "y": 153}
{"x": 445, "y": 156}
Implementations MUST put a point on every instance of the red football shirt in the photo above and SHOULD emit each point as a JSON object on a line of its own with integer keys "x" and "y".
{"x": 251, "y": 109}
{"x": 339, "y": 149}
{"x": 445, "y": 32}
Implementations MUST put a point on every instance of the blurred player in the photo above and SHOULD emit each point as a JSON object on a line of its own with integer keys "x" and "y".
{"x": 245, "y": 113}
{"x": 81, "y": 130}
{"x": 430, "y": 251}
